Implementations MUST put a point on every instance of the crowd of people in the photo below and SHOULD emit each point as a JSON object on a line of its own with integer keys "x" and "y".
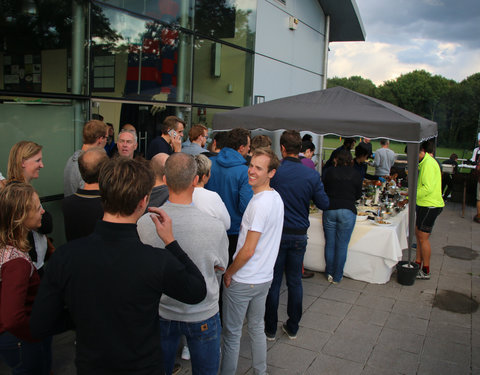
{"x": 177, "y": 250}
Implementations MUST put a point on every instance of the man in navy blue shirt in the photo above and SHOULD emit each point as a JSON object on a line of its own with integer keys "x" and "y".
{"x": 297, "y": 185}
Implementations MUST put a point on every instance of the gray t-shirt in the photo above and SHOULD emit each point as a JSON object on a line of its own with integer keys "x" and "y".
{"x": 205, "y": 241}
{"x": 384, "y": 160}
{"x": 72, "y": 179}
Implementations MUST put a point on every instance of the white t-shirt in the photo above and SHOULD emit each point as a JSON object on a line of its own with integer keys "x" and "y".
{"x": 210, "y": 203}
{"x": 263, "y": 214}
{"x": 1, "y": 177}
{"x": 474, "y": 155}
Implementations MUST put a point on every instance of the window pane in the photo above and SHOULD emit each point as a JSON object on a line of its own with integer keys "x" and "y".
{"x": 48, "y": 123}
{"x": 230, "y": 20}
{"x": 36, "y": 45}
{"x": 168, "y": 11}
{"x": 222, "y": 74}
{"x": 150, "y": 61}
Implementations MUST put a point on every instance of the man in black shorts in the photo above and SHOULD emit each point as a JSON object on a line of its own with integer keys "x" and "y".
{"x": 429, "y": 205}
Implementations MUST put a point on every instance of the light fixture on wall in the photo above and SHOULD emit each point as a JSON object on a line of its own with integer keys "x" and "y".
{"x": 292, "y": 23}
{"x": 258, "y": 99}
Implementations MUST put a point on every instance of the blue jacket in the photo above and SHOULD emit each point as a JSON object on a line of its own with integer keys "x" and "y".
{"x": 229, "y": 178}
{"x": 298, "y": 185}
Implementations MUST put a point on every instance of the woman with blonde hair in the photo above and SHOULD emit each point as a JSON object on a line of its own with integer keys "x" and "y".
{"x": 24, "y": 164}
{"x": 24, "y": 161}
{"x": 20, "y": 212}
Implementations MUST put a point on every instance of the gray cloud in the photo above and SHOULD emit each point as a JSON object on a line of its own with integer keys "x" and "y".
{"x": 399, "y": 22}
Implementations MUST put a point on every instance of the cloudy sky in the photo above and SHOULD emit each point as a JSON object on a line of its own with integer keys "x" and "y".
{"x": 439, "y": 36}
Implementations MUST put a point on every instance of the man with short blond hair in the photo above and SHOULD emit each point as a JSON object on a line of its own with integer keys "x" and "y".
{"x": 95, "y": 134}
{"x": 197, "y": 135}
{"x": 204, "y": 239}
{"x": 247, "y": 280}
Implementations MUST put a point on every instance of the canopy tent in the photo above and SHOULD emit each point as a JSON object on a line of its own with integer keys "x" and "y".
{"x": 341, "y": 112}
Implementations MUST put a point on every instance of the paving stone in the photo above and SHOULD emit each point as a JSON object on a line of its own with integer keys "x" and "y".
{"x": 368, "y": 332}
{"x": 415, "y": 295}
{"x": 400, "y": 340}
{"x": 447, "y": 317}
{"x": 435, "y": 366}
{"x": 415, "y": 308}
{"x": 330, "y": 307}
{"x": 289, "y": 357}
{"x": 391, "y": 289}
{"x": 341, "y": 295}
{"x": 312, "y": 289}
{"x": 351, "y": 284}
{"x": 452, "y": 283}
{"x": 307, "y": 338}
{"x": 394, "y": 360}
{"x": 407, "y": 323}
{"x": 329, "y": 365}
{"x": 442, "y": 331}
{"x": 319, "y": 321}
{"x": 369, "y": 370}
{"x": 375, "y": 302}
{"x": 367, "y": 315}
{"x": 444, "y": 349}
{"x": 476, "y": 356}
{"x": 351, "y": 346}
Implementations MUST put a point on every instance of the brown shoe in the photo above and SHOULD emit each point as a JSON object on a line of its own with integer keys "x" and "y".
{"x": 307, "y": 275}
{"x": 176, "y": 368}
{"x": 476, "y": 219}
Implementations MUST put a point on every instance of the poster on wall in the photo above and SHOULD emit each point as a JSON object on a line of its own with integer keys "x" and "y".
{"x": 22, "y": 72}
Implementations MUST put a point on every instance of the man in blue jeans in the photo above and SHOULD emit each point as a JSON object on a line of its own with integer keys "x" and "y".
{"x": 297, "y": 185}
{"x": 205, "y": 241}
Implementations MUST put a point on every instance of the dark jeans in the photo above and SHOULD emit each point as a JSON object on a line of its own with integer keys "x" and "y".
{"x": 203, "y": 340}
{"x": 447, "y": 181}
{"x": 26, "y": 358}
{"x": 290, "y": 259}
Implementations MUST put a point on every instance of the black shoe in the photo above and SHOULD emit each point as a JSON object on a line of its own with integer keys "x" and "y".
{"x": 291, "y": 336}
{"x": 270, "y": 336}
{"x": 307, "y": 275}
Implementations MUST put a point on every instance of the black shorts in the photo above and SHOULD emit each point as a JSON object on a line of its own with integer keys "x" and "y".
{"x": 426, "y": 217}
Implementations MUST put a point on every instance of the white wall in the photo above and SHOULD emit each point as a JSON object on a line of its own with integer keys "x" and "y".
{"x": 288, "y": 62}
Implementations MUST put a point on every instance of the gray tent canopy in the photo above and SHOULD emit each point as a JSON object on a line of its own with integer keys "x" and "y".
{"x": 336, "y": 111}
{"x": 341, "y": 112}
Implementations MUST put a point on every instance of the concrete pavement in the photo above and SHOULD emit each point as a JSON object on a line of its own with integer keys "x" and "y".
{"x": 368, "y": 329}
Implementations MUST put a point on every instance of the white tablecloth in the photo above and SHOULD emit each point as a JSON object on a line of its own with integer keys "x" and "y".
{"x": 373, "y": 250}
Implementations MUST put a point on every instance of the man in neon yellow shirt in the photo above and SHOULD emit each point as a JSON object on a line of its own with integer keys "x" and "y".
{"x": 429, "y": 205}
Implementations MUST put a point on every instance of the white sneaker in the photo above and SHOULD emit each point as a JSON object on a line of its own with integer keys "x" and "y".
{"x": 186, "y": 353}
{"x": 330, "y": 278}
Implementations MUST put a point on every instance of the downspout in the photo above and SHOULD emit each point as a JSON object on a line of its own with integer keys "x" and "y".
{"x": 78, "y": 69}
{"x": 324, "y": 86}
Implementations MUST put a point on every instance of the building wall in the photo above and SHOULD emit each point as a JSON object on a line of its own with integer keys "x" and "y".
{"x": 288, "y": 62}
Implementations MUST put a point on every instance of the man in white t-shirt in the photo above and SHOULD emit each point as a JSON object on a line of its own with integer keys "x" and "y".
{"x": 248, "y": 279}
{"x": 384, "y": 159}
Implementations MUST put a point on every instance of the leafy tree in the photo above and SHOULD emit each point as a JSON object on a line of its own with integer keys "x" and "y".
{"x": 354, "y": 83}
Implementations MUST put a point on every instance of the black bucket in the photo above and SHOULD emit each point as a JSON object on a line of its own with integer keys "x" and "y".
{"x": 407, "y": 272}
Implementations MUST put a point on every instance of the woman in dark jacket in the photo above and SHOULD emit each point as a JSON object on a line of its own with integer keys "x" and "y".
{"x": 343, "y": 185}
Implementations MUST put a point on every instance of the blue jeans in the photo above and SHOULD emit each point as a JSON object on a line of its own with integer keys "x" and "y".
{"x": 338, "y": 227}
{"x": 26, "y": 358}
{"x": 290, "y": 259}
{"x": 203, "y": 340}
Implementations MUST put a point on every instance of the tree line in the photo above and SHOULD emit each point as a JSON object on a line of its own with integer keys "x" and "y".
{"x": 454, "y": 106}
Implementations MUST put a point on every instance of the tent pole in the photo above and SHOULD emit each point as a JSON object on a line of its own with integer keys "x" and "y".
{"x": 413, "y": 150}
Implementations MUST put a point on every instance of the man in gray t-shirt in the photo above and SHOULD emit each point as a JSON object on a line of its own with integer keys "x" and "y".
{"x": 384, "y": 159}
{"x": 205, "y": 241}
